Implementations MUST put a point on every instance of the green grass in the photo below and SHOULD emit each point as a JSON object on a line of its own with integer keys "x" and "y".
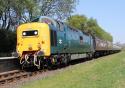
{"x": 105, "y": 72}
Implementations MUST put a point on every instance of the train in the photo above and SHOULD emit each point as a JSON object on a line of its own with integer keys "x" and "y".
{"x": 48, "y": 42}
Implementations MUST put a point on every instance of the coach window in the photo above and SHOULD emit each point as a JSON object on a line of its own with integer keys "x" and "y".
{"x": 81, "y": 39}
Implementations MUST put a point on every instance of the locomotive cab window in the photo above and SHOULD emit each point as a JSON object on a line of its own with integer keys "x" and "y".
{"x": 47, "y": 21}
{"x": 60, "y": 26}
{"x": 35, "y": 20}
{"x": 30, "y": 33}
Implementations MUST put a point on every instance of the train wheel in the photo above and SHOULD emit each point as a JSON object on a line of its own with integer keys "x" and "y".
{"x": 66, "y": 59}
{"x": 69, "y": 58}
{"x": 49, "y": 64}
{"x": 63, "y": 59}
{"x": 90, "y": 56}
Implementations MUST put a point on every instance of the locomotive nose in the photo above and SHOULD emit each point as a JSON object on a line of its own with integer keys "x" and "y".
{"x": 30, "y": 47}
{"x": 33, "y": 37}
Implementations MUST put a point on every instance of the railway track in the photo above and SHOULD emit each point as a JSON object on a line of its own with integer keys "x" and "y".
{"x": 11, "y": 76}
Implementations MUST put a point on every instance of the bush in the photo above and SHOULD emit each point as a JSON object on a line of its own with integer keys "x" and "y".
{"x": 7, "y": 41}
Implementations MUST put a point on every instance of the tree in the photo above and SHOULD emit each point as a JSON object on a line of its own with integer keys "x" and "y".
{"x": 13, "y": 12}
{"x": 60, "y": 9}
{"x": 77, "y": 21}
{"x": 88, "y": 25}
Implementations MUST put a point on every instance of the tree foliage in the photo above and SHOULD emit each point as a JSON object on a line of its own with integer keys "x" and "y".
{"x": 77, "y": 21}
{"x": 57, "y": 8}
{"x": 13, "y": 12}
{"x": 88, "y": 25}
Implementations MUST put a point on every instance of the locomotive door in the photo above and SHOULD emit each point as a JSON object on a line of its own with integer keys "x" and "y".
{"x": 61, "y": 40}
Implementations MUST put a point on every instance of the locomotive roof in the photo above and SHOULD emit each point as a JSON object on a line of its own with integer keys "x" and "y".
{"x": 45, "y": 19}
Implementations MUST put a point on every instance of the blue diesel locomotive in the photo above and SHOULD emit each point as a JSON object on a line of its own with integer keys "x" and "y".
{"x": 47, "y": 42}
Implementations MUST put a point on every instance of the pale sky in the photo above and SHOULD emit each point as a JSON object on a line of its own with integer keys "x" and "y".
{"x": 110, "y": 15}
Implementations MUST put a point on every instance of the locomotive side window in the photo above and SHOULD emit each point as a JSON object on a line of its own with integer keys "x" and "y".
{"x": 30, "y": 33}
{"x": 53, "y": 38}
{"x": 81, "y": 39}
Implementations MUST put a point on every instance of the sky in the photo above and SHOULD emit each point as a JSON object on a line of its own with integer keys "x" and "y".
{"x": 110, "y": 15}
